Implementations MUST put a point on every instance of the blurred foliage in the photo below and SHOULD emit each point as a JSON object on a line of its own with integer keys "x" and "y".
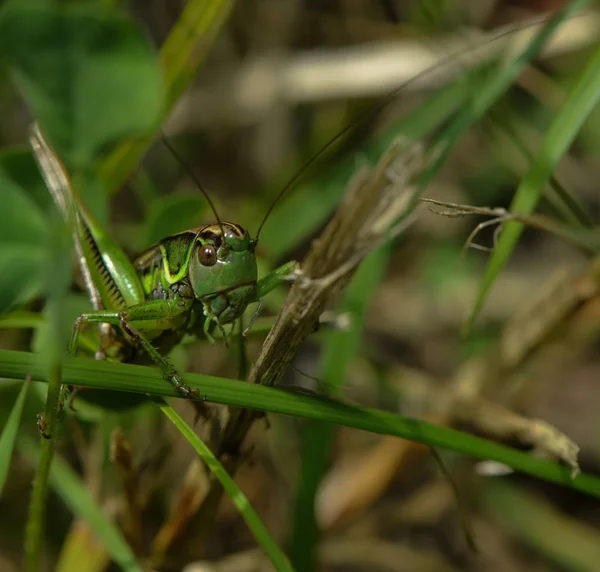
{"x": 94, "y": 76}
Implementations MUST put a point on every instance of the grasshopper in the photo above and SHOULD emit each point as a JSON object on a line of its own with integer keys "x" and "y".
{"x": 188, "y": 283}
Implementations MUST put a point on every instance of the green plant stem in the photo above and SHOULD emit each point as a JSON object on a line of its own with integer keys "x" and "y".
{"x": 37, "y": 508}
{"x": 139, "y": 379}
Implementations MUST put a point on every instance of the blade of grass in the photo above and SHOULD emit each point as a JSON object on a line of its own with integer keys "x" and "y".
{"x": 562, "y": 203}
{"x": 538, "y": 523}
{"x": 182, "y": 53}
{"x": 9, "y": 434}
{"x": 339, "y": 348}
{"x": 140, "y": 379}
{"x": 49, "y": 360}
{"x": 256, "y": 526}
{"x": 73, "y": 492}
{"x": 581, "y": 100}
{"x": 498, "y": 80}
{"x": 316, "y": 199}
{"x": 21, "y": 319}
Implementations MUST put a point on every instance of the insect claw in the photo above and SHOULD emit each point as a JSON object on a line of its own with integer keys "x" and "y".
{"x": 41, "y": 425}
{"x": 74, "y": 391}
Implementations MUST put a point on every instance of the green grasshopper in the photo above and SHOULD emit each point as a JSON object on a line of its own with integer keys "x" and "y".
{"x": 188, "y": 283}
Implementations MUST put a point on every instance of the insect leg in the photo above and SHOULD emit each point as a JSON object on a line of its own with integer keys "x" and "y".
{"x": 265, "y": 285}
{"x": 271, "y": 281}
{"x": 253, "y": 318}
{"x": 155, "y": 315}
{"x": 211, "y": 317}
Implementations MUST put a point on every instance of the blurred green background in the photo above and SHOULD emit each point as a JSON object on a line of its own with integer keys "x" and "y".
{"x": 247, "y": 93}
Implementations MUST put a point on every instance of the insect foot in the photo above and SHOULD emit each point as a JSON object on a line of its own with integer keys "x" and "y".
{"x": 41, "y": 425}
{"x": 187, "y": 391}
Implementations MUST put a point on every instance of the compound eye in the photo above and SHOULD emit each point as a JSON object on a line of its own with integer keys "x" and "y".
{"x": 207, "y": 255}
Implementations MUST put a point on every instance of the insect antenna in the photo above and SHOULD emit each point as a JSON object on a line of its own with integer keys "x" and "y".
{"x": 194, "y": 178}
{"x": 387, "y": 99}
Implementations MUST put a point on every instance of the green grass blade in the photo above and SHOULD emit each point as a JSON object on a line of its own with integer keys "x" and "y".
{"x": 498, "y": 81}
{"x": 256, "y": 526}
{"x": 70, "y": 488}
{"x": 21, "y": 319}
{"x": 9, "y": 434}
{"x": 581, "y": 100}
{"x": 139, "y": 379}
{"x": 339, "y": 349}
{"x": 183, "y": 52}
{"x": 562, "y": 203}
{"x": 569, "y": 542}
{"x": 58, "y": 272}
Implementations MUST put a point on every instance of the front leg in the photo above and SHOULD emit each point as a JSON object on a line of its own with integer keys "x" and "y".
{"x": 271, "y": 281}
{"x": 212, "y": 317}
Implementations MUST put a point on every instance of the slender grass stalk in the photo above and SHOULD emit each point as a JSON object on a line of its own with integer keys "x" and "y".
{"x": 37, "y": 508}
{"x": 9, "y": 433}
{"x": 69, "y": 486}
{"x": 51, "y": 361}
{"x": 339, "y": 349}
{"x": 499, "y": 80}
{"x": 581, "y": 101}
{"x": 256, "y": 526}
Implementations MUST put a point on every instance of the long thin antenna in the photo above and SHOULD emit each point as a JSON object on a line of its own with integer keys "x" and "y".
{"x": 194, "y": 178}
{"x": 383, "y": 103}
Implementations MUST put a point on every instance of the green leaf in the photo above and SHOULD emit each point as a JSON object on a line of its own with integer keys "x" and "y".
{"x": 581, "y": 100}
{"x": 9, "y": 434}
{"x": 135, "y": 378}
{"x": 499, "y": 78}
{"x": 57, "y": 272}
{"x": 183, "y": 52}
{"x": 564, "y": 539}
{"x": 278, "y": 558}
{"x": 74, "y": 494}
{"x": 89, "y": 76}
{"x": 23, "y": 232}
{"x": 173, "y": 213}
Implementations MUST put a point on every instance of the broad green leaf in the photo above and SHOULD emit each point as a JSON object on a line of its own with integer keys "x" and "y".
{"x": 23, "y": 232}
{"x": 581, "y": 100}
{"x": 9, "y": 434}
{"x": 89, "y": 76}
